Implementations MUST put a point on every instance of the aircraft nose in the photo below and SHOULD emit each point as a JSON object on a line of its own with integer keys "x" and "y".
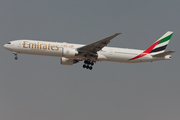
{"x": 5, "y": 46}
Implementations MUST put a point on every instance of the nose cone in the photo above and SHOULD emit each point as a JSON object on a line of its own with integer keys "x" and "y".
{"x": 5, "y": 46}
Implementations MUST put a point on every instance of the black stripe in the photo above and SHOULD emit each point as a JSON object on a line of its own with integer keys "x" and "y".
{"x": 159, "y": 49}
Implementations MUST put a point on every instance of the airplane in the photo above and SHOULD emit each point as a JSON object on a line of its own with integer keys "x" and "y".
{"x": 70, "y": 53}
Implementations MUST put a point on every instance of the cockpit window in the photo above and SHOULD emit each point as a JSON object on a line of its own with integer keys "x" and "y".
{"x": 9, "y": 43}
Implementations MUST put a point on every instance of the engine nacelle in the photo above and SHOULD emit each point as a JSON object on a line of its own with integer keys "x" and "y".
{"x": 67, "y": 61}
{"x": 69, "y": 52}
{"x": 101, "y": 57}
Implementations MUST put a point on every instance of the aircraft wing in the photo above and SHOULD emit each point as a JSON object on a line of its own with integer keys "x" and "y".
{"x": 95, "y": 47}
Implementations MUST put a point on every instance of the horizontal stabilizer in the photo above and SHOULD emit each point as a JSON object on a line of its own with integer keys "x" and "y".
{"x": 164, "y": 54}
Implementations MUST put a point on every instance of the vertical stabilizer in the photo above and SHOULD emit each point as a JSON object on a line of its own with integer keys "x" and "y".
{"x": 162, "y": 43}
{"x": 158, "y": 47}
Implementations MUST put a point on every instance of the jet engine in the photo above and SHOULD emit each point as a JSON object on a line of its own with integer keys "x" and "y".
{"x": 69, "y": 52}
{"x": 67, "y": 61}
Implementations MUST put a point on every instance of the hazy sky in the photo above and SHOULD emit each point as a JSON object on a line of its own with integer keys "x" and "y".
{"x": 40, "y": 88}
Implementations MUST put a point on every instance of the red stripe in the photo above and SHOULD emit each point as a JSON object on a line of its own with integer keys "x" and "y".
{"x": 146, "y": 51}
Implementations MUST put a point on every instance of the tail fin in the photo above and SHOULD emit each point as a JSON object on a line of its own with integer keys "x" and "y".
{"x": 160, "y": 45}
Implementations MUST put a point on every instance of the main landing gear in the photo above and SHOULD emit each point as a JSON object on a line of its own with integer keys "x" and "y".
{"x": 16, "y": 57}
{"x": 88, "y": 64}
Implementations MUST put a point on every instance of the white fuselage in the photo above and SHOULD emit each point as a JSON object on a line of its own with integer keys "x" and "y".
{"x": 56, "y": 49}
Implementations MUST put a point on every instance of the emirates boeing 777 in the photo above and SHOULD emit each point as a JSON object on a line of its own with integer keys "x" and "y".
{"x": 90, "y": 54}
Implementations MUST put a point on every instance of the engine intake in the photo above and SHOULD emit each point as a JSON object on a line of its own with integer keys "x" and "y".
{"x": 67, "y": 61}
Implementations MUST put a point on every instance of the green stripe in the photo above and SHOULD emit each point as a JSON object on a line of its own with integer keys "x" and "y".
{"x": 165, "y": 39}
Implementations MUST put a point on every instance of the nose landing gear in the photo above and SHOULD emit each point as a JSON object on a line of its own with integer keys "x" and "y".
{"x": 16, "y": 57}
{"x": 88, "y": 64}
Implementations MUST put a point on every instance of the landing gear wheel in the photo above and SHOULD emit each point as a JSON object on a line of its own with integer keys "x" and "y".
{"x": 16, "y": 58}
{"x": 84, "y": 66}
{"x": 90, "y": 67}
{"x": 88, "y": 64}
{"x": 92, "y": 63}
{"x": 87, "y": 67}
{"x": 85, "y": 62}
